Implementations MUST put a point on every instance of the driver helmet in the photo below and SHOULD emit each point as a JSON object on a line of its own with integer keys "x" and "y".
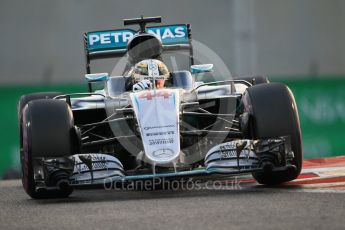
{"x": 151, "y": 69}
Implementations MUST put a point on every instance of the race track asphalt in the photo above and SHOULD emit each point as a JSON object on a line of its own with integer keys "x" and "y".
{"x": 251, "y": 207}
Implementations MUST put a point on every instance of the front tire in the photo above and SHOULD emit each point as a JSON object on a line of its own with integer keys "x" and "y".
{"x": 46, "y": 131}
{"x": 34, "y": 96}
{"x": 274, "y": 113}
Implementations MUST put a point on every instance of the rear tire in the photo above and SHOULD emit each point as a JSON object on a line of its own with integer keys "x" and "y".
{"x": 273, "y": 114}
{"x": 254, "y": 80}
{"x": 46, "y": 131}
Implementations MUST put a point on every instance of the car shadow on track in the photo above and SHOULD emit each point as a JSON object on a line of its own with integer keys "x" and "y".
{"x": 101, "y": 195}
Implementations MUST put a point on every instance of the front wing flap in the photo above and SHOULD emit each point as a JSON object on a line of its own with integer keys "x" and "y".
{"x": 230, "y": 158}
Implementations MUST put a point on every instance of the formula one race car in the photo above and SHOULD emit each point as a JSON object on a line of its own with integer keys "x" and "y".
{"x": 183, "y": 129}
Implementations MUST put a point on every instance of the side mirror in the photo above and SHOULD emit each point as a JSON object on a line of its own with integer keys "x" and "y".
{"x": 204, "y": 68}
{"x": 96, "y": 77}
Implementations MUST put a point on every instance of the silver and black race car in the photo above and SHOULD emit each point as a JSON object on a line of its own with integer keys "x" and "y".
{"x": 188, "y": 129}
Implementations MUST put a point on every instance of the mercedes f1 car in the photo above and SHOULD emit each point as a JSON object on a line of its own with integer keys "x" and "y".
{"x": 188, "y": 129}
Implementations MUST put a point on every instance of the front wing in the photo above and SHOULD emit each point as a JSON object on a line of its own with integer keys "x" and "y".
{"x": 230, "y": 158}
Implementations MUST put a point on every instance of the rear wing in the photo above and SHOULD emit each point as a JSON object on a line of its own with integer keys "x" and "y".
{"x": 113, "y": 43}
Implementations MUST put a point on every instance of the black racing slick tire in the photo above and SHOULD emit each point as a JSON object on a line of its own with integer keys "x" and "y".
{"x": 34, "y": 96}
{"x": 274, "y": 113}
{"x": 31, "y": 97}
{"x": 47, "y": 128}
{"x": 254, "y": 80}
